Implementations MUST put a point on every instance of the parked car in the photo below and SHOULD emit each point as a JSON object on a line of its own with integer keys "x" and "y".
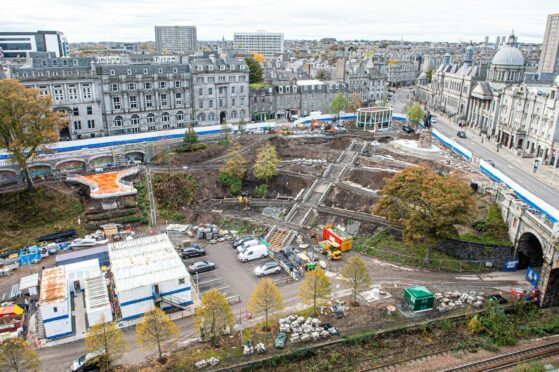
{"x": 253, "y": 253}
{"x": 194, "y": 251}
{"x": 268, "y": 268}
{"x": 408, "y": 129}
{"x": 490, "y": 162}
{"x": 249, "y": 243}
{"x": 201, "y": 267}
{"x": 240, "y": 241}
{"x": 433, "y": 120}
{"x": 461, "y": 134}
{"x": 87, "y": 362}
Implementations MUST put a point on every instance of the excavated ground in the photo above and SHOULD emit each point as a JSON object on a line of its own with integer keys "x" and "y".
{"x": 345, "y": 199}
{"x": 372, "y": 179}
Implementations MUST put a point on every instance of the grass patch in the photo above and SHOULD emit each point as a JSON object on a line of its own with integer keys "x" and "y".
{"x": 26, "y": 215}
{"x": 242, "y": 227}
{"x": 142, "y": 200}
{"x": 386, "y": 247}
{"x": 483, "y": 239}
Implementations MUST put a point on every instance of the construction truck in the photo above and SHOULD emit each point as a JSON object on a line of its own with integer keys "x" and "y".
{"x": 330, "y": 249}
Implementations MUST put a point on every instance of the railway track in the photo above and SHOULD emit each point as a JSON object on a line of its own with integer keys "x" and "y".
{"x": 502, "y": 362}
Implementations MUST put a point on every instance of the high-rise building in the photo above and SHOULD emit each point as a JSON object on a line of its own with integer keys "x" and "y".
{"x": 20, "y": 44}
{"x": 486, "y": 41}
{"x": 268, "y": 44}
{"x": 549, "y": 59}
{"x": 497, "y": 41}
{"x": 176, "y": 39}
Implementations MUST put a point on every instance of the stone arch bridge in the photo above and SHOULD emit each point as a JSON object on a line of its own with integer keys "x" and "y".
{"x": 536, "y": 244}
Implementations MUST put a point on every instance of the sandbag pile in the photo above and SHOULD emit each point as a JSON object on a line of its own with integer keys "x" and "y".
{"x": 304, "y": 330}
{"x": 448, "y": 301}
{"x": 207, "y": 363}
{"x": 260, "y": 348}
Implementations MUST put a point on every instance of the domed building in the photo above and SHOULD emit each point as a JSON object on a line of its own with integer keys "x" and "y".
{"x": 507, "y": 65}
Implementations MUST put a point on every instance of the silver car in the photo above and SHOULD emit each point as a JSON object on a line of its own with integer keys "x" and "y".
{"x": 268, "y": 268}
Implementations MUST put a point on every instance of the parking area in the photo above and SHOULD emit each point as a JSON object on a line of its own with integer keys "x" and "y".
{"x": 236, "y": 280}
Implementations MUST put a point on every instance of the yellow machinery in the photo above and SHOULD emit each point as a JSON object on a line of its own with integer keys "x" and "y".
{"x": 330, "y": 249}
{"x": 244, "y": 200}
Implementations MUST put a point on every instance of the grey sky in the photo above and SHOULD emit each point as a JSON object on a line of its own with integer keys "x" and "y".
{"x": 133, "y": 20}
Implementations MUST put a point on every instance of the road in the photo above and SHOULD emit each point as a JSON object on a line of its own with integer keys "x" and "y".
{"x": 487, "y": 152}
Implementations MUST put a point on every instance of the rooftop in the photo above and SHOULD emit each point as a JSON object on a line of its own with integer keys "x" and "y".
{"x": 144, "y": 262}
{"x": 29, "y": 281}
{"x": 53, "y": 286}
{"x": 309, "y": 82}
{"x": 96, "y": 294}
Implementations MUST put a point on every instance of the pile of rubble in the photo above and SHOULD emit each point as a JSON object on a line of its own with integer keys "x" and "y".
{"x": 207, "y": 363}
{"x": 448, "y": 301}
{"x": 305, "y": 330}
{"x": 249, "y": 349}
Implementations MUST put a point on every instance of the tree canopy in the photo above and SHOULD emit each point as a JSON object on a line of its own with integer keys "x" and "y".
{"x": 256, "y": 73}
{"x": 258, "y": 57}
{"x": 338, "y": 104}
{"x": 266, "y": 297}
{"x": 267, "y": 160}
{"x": 155, "y": 329}
{"x": 322, "y": 75}
{"x": 414, "y": 112}
{"x": 27, "y": 123}
{"x": 16, "y": 355}
{"x": 357, "y": 276}
{"x": 426, "y": 204}
{"x": 214, "y": 315}
{"x": 234, "y": 168}
{"x": 190, "y": 136}
{"x": 355, "y": 103}
{"x": 108, "y": 339}
{"x": 315, "y": 288}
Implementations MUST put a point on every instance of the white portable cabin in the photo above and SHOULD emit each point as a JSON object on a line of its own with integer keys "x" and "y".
{"x": 97, "y": 302}
{"x": 78, "y": 272}
{"x": 54, "y": 304}
{"x": 29, "y": 285}
{"x": 148, "y": 270}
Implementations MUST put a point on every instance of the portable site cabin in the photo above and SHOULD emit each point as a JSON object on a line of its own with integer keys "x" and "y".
{"x": 97, "y": 302}
{"x": 11, "y": 318}
{"x": 78, "y": 272}
{"x": 101, "y": 253}
{"x": 54, "y": 304}
{"x": 29, "y": 285}
{"x": 148, "y": 270}
{"x": 419, "y": 298}
{"x": 333, "y": 234}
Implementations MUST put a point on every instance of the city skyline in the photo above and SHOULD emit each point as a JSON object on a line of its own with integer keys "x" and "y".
{"x": 214, "y": 19}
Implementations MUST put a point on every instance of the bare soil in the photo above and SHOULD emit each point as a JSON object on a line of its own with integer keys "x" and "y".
{"x": 341, "y": 198}
{"x": 374, "y": 180}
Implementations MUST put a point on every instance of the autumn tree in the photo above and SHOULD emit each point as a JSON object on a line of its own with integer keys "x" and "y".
{"x": 426, "y": 204}
{"x": 258, "y": 57}
{"x": 27, "y": 124}
{"x": 17, "y": 355}
{"x": 338, "y": 104}
{"x": 155, "y": 329}
{"x": 106, "y": 339}
{"x": 267, "y": 160}
{"x": 234, "y": 168}
{"x": 315, "y": 288}
{"x": 429, "y": 74}
{"x": 266, "y": 297}
{"x": 355, "y": 103}
{"x": 213, "y": 315}
{"x": 414, "y": 112}
{"x": 255, "y": 71}
{"x": 357, "y": 276}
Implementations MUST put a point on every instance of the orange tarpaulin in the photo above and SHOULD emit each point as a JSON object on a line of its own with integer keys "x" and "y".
{"x": 10, "y": 311}
{"x": 108, "y": 184}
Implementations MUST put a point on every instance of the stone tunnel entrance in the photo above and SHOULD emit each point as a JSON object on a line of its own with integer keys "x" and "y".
{"x": 530, "y": 252}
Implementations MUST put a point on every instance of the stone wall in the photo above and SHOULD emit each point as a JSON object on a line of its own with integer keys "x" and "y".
{"x": 464, "y": 250}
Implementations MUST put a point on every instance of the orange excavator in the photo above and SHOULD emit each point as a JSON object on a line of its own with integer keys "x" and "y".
{"x": 328, "y": 128}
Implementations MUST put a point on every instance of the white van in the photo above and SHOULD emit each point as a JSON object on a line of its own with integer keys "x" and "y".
{"x": 249, "y": 243}
{"x": 253, "y": 253}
